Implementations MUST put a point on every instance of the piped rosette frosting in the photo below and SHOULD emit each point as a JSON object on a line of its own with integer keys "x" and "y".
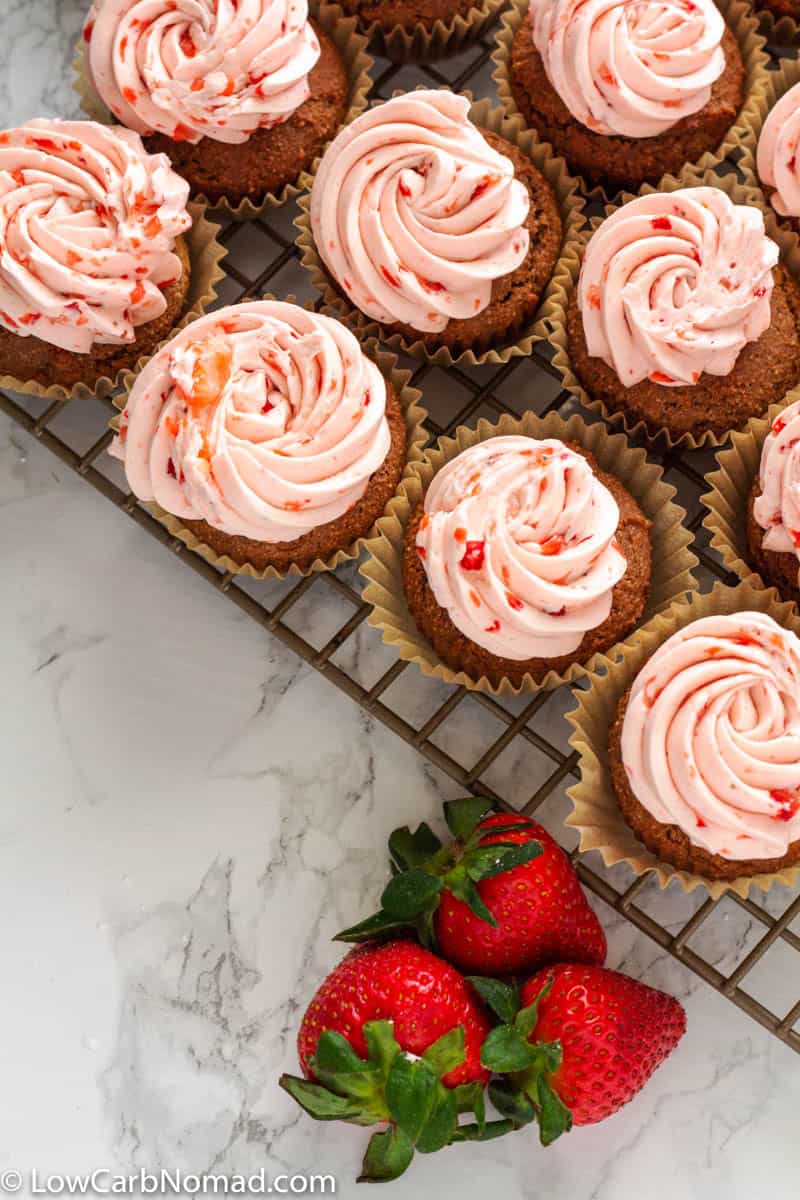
{"x": 88, "y": 222}
{"x": 631, "y": 68}
{"x": 777, "y": 154}
{"x": 415, "y": 214}
{"x": 675, "y": 284}
{"x": 518, "y": 545}
{"x": 777, "y": 508}
{"x": 262, "y": 419}
{"x": 711, "y": 735}
{"x": 201, "y": 68}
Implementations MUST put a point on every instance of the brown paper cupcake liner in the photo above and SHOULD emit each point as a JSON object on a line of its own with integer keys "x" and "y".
{"x": 351, "y": 46}
{"x": 595, "y": 811}
{"x": 730, "y": 486}
{"x": 567, "y": 279}
{"x": 743, "y": 24}
{"x": 409, "y": 398}
{"x": 672, "y": 560}
{"x": 424, "y": 43}
{"x": 778, "y": 31}
{"x": 205, "y": 254}
{"x": 570, "y": 205}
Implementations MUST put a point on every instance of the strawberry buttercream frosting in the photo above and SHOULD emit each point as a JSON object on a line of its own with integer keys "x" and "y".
{"x": 88, "y": 222}
{"x": 262, "y": 419}
{"x": 201, "y": 68}
{"x": 777, "y": 154}
{"x": 675, "y": 284}
{"x": 711, "y": 735}
{"x": 518, "y": 545}
{"x": 415, "y": 214}
{"x": 777, "y": 508}
{"x": 631, "y": 68}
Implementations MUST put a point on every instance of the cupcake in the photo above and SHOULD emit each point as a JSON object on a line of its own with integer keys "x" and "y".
{"x": 242, "y": 97}
{"x": 442, "y": 234}
{"x": 269, "y": 435}
{"x": 682, "y": 318}
{"x": 705, "y": 750}
{"x": 407, "y": 32}
{"x": 523, "y": 558}
{"x": 773, "y": 509}
{"x": 777, "y": 155}
{"x": 627, "y": 90}
{"x": 94, "y": 271}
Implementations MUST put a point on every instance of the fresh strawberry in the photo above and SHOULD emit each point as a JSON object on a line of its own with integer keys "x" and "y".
{"x": 500, "y": 899}
{"x": 583, "y": 1043}
{"x": 394, "y": 1036}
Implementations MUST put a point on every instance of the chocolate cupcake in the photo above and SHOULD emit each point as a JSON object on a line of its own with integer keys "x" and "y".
{"x": 777, "y": 158}
{"x": 773, "y": 507}
{"x": 421, "y": 30}
{"x": 523, "y": 558}
{"x": 626, "y": 90}
{"x": 442, "y": 234}
{"x": 241, "y": 97}
{"x": 270, "y": 436}
{"x": 682, "y": 319}
{"x": 705, "y": 750}
{"x": 95, "y": 270}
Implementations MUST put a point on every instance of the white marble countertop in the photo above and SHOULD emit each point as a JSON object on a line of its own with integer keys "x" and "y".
{"x": 189, "y": 813}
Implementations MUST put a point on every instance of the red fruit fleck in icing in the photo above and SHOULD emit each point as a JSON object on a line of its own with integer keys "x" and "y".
{"x": 421, "y": 552}
{"x": 138, "y": 293}
{"x": 171, "y": 469}
{"x": 593, "y": 296}
{"x": 429, "y": 285}
{"x": 182, "y": 133}
{"x": 794, "y": 534}
{"x": 789, "y": 804}
{"x": 701, "y": 824}
{"x": 779, "y": 426}
{"x": 29, "y": 318}
{"x": 661, "y": 223}
{"x": 266, "y": 407}
{"x": 475, "y": 598}
{"x": 474, "y": 554}
{"x": 186, "y": 42}
{"x": 607, "y": 75}
{"x": 660, "y": 377}
{"x": 212, "y": 368}
{"x": 404, "y": 190}
{"x": 153, "y": 227}
{"x": 72, "y": 258}
{"x": 228, "y": 90}
{"x": 123, "y": 46}
{"x": 493, "y": 628}
{"x": 130, "y": 94}
{"x": 425, "y": 522}
{"x": 389, "y": 277}
{"x": 552, "y": 545}
{"x": 744, "y": 639}
{"x": 727, "y": 284}
{"x": 87, "y": 31}
{"x": 367, "y": 398}
{"x": 792, "y": 163}
{"x": 172, "y": 426}
{"x": 486, "y": 182}
{"x": 513, "y": 601}
{"x": 759, "y": 292}
{"x": 460, "y": 534}
{"x": 197, "y": 85}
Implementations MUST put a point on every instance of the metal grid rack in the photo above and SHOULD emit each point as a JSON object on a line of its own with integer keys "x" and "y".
{"x": 740, "y": 947}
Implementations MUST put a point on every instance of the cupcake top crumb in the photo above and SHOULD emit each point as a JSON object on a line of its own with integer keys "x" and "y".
{"x": 518, "y": 545}
{"x": 88, "y": 222}
{"x": 415, "y": 214}
{"x": 675, "y": 284}
{"x": 777, "y": 154}
{"x": 777, "y": 508}
{"x": 631, "y": 68}
{"x": 262, "y": 419}
{"x": 711, "y": 735}
{"x": 201, "y": 68}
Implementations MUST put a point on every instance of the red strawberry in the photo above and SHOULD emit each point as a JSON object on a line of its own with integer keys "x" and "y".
{"x": 583, "y": 1043}
{"x": 501, "y": 898}
{"x": 541, "y": 912}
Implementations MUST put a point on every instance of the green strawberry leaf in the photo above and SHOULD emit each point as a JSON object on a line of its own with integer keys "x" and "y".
{"x": 488, "y": 861}
{"x": 486, "y": 1133}
{"x": 554, "y": 1116}
{"x": 505, "y": 1050}
{"x": 381, "y": 1045}
{"x": 424, "y": 926}
{"x": 335, "y": 1056}
{"x": 462, "y": 887}
{"x": 470, "y": 1098}
{"x": 409, "y": 894}
{"x": 462, "y": 816}
{"x": 321, "y": 1103}
{"x": 413, "y": 849}
{"x": 511, "y": 1103}
{"x": 388, "y": 1154}
{"x": 411, "y": 1094}
{"x": 441, "y": 1123}
{"x": 379, "y": 923}
{"x": 447, "y": 1051}
{"x": 525, "y": 1020}
{"x": 502, "y": 998}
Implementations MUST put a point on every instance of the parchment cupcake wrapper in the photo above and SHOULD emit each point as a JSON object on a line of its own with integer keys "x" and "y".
{"x": 595, "y": 810}
{"x": 567, "y": 279}
{"x": 424, "y": 44}
{"x": 351, "y": 46}
{"x": 672, "y": 560}
{"x": 415, "y": 415}
{"x": 730, "y": 486}
{"x": 570, "y": 205}
{"x": 205, "y": 254}
{"x": 778, "y": 31}
{"x": 743, "y": 24}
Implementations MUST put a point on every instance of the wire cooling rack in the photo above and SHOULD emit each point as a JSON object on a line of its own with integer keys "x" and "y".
{"x": 513, "y": 750}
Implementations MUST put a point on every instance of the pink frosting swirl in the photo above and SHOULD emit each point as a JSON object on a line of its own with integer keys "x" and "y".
{"x": 518, "y": 544}
{"x": 415, "y": 214}
{"x": 711, "y": 735}
{"x": 676, "y": 284}
{"x": 633, "y": 68}
{"x": 262, "y": 419}
{"x": 201, "y": 68}
{"x": 88, "y": 223}
{"x": 777, "y": 509}
{"x": 777, "y": 158}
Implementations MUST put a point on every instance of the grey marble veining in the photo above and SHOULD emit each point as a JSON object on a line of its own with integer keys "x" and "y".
{"x": 189, "y": 814}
